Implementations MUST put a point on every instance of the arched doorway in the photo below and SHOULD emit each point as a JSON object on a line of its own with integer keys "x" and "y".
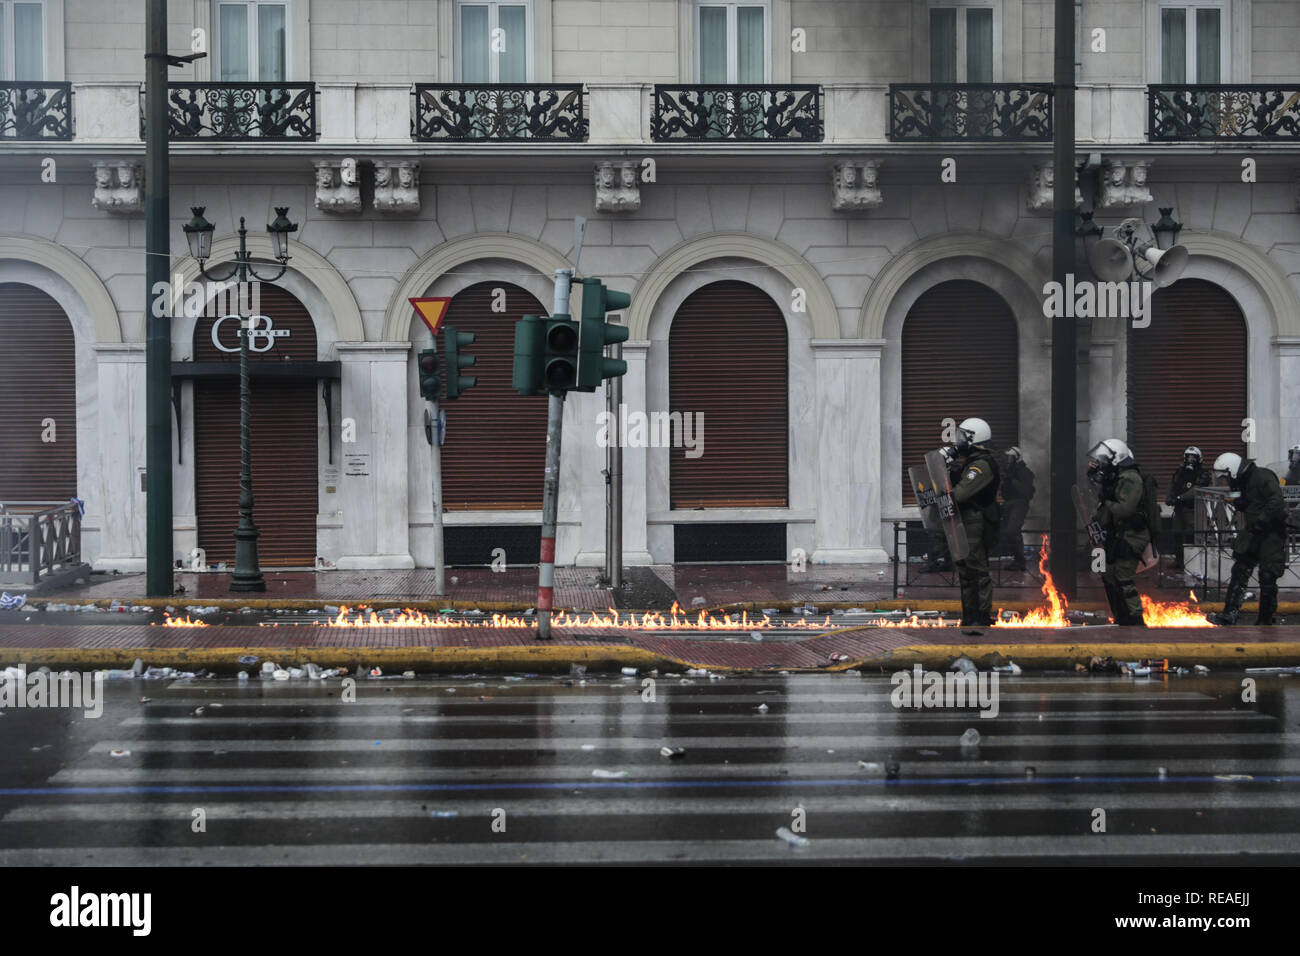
{"x": 728, "y": 366}
{"x": 961, "y": 358}
{"x": 38, "y": 398}
{"x": 283, "y": 427}
{"x": 1187, "y": 377}
{"x": 495, "y": 455}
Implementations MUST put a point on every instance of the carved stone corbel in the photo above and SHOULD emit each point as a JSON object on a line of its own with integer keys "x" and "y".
{"x": 855, "y": 185}
{"x": 338, "y": 188}
{"x": 119, "y": 186}
{"x": 1041, "y": 195}
{"x": 618, "y": 188}
{"x": 397, "y": 186}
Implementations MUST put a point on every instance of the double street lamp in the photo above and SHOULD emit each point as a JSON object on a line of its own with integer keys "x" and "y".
{"x": 198, "y": 233}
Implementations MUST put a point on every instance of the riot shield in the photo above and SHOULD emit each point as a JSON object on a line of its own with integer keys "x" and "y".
{"x": 946, "y": 509}
{"x": 925, "y": 497}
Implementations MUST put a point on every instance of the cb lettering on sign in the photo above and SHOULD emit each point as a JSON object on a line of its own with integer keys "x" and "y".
{"x": 266, "y": 335}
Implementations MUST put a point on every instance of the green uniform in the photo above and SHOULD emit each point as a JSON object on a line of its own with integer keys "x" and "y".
{"x": 1122, "y": 514}
{"x": 1017, "y": 492}
{"x": 976, "y": 496}
{"x": 1262, "y": 543}
{"x": 1182, "y": 495}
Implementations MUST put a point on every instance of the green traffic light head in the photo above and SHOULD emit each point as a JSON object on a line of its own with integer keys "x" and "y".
{"x": 597, "y": 300}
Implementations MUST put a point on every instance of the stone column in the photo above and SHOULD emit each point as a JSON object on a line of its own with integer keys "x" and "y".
{"x": 1288, "y": 371}
{"x": 848, "y": 433}
{"x": 115, "y": 500}
{"x": 636, "y": 473}
{"x": 376, "y": 532}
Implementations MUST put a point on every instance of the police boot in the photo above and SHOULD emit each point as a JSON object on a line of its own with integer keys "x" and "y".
{"x": 1116, "y": 602}
{"x": 1231, "y": 601}
{"x": 1267, "y": 599}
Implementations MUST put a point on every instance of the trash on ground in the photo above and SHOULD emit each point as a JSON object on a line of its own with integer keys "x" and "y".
{"x": 793, "y": 839}
{"x": 629, "y": 671}
{"x": 837, "y": 657}
{"x": 971, "y": 738}
{"x": 892, "y": 770}
{"x": 1200, "y": 670}
{"x": 1010, "y": 667}
{"x": 443, "y": 814}
{"x": 756, "y": 635}
{"x": 928, "y": 753}
{"x": 119, "y": 753}
{"x": 611, "y": 774}
{"x": 697, "y": 672}
{"x": 869, "y": 766}
{"x": 672, "y": 752}
{"x": 762, "y": 708}
{"x": 1031, "y": 772}
{"x": 1273, "y": 670}
{"x": 964, "y": 665}
{"x": 577, "y": 670}
{"x": 1233, "y": 776}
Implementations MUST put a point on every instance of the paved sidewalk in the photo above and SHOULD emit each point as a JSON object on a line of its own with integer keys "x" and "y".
{"x": 693, "y": 587}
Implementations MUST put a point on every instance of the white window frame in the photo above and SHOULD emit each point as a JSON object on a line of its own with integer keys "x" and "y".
{"x": 961, "y": 7}
{"x": 9, "y": 52}
{"x": 494, "y": 65}
{"x": 253, "y": 65}
{"x": 733, "y": 48}
{"x": 1225, "y": 37}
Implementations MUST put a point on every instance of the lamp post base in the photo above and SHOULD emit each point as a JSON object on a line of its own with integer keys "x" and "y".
{"x": 247, "y": 575}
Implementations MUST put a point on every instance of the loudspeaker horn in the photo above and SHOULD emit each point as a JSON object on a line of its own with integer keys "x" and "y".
{"x": 1110, "y": 260}
{"x": 1168, "y": 264}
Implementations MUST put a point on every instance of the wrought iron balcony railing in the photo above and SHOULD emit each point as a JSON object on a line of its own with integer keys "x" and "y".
{"x": 504, "y": 113}
{"x": 970, "y": 112}
{"x": 759, "y": 114}
{"x": 233, "y": 112}
{"x": 1222, "y": 112}
{"x": 36, "y": 111}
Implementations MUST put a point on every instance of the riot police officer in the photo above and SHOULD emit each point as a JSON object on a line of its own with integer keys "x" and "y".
{"x": 976, "y": 477}
{"x": 1182, "y": 495}
{"x": 1262, "y": 542}
{"x": 1293, "y": 466}
{"x": 1017, "y": 492}
{"x": 1121, "y": 512}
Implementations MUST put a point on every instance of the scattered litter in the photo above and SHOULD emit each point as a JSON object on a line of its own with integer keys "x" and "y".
{"x": 629, "y": 671}
{"x": 313, "y": 671}
{"x": 1031, "y": 773}
{"x": 450, "y": 690}
{"x": 443, "y": 814}
{"x": 853, "y": 673}
{"x": 1103, "y": 665}
{"x": 249, "y": 659}
{"x": 1162, "y": 772}
{"x": 268, "y": 668}
{"x": 611, "y": 774}
{"x": 856, "y": 610}
{"x": 672, "y": 752}
{"x": 146, "y": 700}
{"x": 577, "y": 670}
{"x": 1200, "y": 670}
{"x": 762, "y": 708}
{"x": 119, "y": 753}
{"x": 971, "y": 738}
{"x": 297, "y": 673}
{"x": 964, "y": 665}
{"x": 12, "y": 602}
{"x": 771, "y": 611}
{"x": 1273, "y": 670}
{"x": 513, "y": 679}
{"x": 1233, "y": 776}
{"x": 869, "y": 766}
{"x": 1010, "y": 667}
{"x": 198, "y": 711}
{"x": 928, "y": 753}
{"x": 768, "y": 692}
{"x": 686, "y": 680}
{"x": 836, "y": 658}
{"x": 697, "y": 672}
{"x": 376, "y": 672}
{"x": 280, "y": 674}
{"x": 243, "y": 675}
{"x": 697, "y": 602}
{"x": 892, "y": 770}
{"x": 755, "y": 635}
{"x": 588, "y": 747}
{"x": 793, "y": 839}
{"x": 408, "y": 675}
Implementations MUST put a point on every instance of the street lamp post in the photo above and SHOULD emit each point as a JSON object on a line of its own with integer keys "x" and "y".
{"x": 198, "y": 233}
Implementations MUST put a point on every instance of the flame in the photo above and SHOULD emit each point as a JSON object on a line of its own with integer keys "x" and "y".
{"x": 185, "y": 621}
{"x": 675, "y": 620}
{"x": 1051, "y": 616}
{"x": 1158, "y": 614}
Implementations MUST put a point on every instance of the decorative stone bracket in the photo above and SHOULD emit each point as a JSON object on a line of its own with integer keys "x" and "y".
{"x": 338, "y": 186}
{"x": 119, "y": 186}
{"x": 397, "y": 186}
{"x": 1124, "y": 183}
{"x": 1042, "y": 189}
{"x": 618, "y": 187}
{"x": 855, "y": 185}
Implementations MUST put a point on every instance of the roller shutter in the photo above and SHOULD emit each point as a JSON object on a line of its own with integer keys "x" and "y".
{"x": 283, "y": 427}
{"x": 960, "y": 360}
{"x": 727, "y": 359}
{"x": 1187, "y": 378}
{"x": 495, "y": 455}
{"x": 39, "y": 382}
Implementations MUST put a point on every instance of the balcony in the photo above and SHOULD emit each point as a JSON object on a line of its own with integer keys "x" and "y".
{"x": 36, "y": 111}
{"x": 754, "y": 114}
{"x": 1240, "y": 113}
{"x": 240, "y": 112}
{"x": 970, "y": 112}
{"x": 505, "y": 113}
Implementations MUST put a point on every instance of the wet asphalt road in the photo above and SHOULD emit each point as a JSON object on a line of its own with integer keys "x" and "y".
{"x": 419, "y": 771}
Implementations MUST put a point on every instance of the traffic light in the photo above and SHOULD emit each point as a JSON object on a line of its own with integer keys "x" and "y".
{"x": 457, "y": 383}
{"x": 530, "y": 336}
{"x": 560, "y": 371}
{"x": 427, "y": 369}
{"x": 595, "y": 333}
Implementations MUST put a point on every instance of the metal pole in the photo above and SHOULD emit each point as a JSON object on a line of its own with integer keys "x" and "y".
{"x": 1064, "y": 371}
{"x": 551, "y": 486}
{"x": 616, "y": 482}
{"x": 611, "y": 415}
{"x": 435, "y": 459}
{"x": 158, "y": 336}
{"x": 248, "y": 574}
